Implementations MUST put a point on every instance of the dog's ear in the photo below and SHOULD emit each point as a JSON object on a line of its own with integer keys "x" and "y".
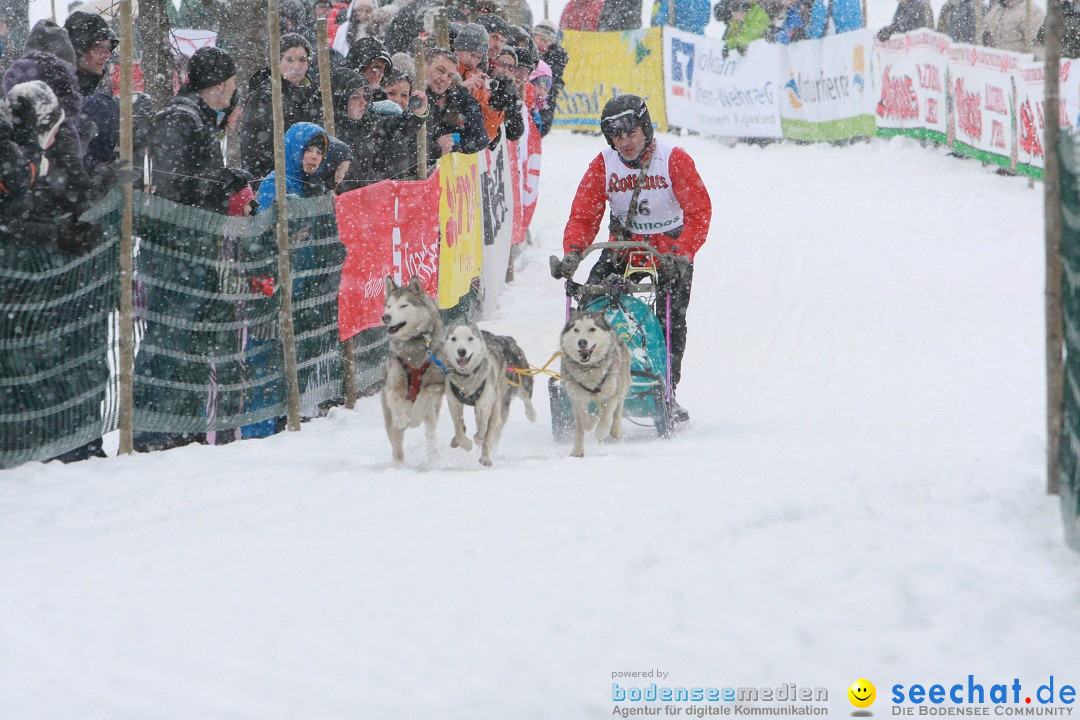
{"x": 416, "y": 286}
{"x": 389, "y": 285}
{"x": 476, "y": 329}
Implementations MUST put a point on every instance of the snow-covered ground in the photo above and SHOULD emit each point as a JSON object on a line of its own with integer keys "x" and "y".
{"x": 859, "y": 493}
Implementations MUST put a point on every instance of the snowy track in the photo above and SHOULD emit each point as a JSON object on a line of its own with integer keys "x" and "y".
{"x": 859, "y": 494}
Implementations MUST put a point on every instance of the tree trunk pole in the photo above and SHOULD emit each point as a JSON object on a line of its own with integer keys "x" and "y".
{"x": 1055, "y": 323}
{"x": 978, "y": 22}
{"x": 125, "y": 329}
{"x": 442, "y": 30}
{"x": 288, "y": 334}
{"x": 157, "y": 59}
{"x": 421, "y": 134}
{"x": 349, "y": 346}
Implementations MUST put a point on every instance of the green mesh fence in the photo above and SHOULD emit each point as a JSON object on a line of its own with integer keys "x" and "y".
{"x": 57, "y": 343}
{"x": 1069, "y": 454}
{"x": 209, "y": 358}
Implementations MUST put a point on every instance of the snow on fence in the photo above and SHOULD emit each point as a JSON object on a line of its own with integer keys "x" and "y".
{"x": 209, "y": 359}
{"x": 981, "y": 102}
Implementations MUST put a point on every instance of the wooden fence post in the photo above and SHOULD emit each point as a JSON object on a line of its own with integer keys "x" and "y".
{"x": 125, "y": 326}
{"x": 288, "y": 333}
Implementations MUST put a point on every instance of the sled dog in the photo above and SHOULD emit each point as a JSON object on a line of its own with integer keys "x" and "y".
{"x": 477, "y": 375}
{"x": 595, "y": 369}
{"x": 415, "y": 381}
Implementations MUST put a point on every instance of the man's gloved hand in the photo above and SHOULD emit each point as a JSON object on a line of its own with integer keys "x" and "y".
{"x": 566, "y": 267}
{"x": 675, "y": 266}
{"x": 235, "y": 179}
{"x": 115, "y": 173}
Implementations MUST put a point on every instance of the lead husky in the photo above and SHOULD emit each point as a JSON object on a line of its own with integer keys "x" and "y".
{"x": 476, "y": 375}
{"x": 414, "y": 386}
{"x": 595, "y": 369}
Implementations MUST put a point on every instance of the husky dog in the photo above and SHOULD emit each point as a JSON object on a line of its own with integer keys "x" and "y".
{"x": 413, "y": 391}
{"x": 595, "y": 369}
{"x": 477, "y": 375}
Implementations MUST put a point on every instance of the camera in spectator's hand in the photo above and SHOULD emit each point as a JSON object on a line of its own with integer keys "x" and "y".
{"x": 503, "y": 94}
{"x": 415, "y": 103}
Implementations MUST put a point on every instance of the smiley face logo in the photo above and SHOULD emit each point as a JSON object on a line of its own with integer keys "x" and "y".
{"x": 862, "y": 693}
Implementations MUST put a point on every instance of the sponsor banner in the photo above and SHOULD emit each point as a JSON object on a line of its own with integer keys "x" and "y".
{"x": 186, "y": 42}
{"x": 497, "y": 184}
{"x": 606, "y": 64}
{"x": 982, "y": 90}
{"x": 530, "y": 171}
{"x": 515, "y": 177}
{"x": 736, "y": 97}
{"x": 1031, "y": 120}
{"x": 912, "y": 76}
{"x": 826, "y": 91}
{"x": 388, "y": 229}
{"x": 461, "y": 218}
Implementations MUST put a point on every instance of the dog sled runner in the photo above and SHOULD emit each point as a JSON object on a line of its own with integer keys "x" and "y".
{"x": 629, "y": 303}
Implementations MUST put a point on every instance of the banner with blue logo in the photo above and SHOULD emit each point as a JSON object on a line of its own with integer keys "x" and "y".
{"x": 826, "y": 88}
{"x": 734, "y": 97}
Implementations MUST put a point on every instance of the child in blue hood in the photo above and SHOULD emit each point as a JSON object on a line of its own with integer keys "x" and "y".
{"x": 305, "y": 149}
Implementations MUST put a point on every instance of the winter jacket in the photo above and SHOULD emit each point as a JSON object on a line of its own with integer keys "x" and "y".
{"x": 104, "y": 112}
{"x": 185, "y": 155}
{"x": 845, "y": 14}
{"x": 300, "y": 103}
{"x": 455, "y": 111}
{"x": 792, "y": 27}
{"x": 619, "y": 15}
{"x": 690, "y": 15}
{"x": 297, "y": 182}
{"x": 20, "y": 157}
{"x": 557, "y": 59}
{"x": 740, "y": 33}
{"x": 1070, "y": 30}
{"x": 59, "y": 76}
{"x": 581, "y": 15}
{"x": 588, "y": 210}
{"x": 910, "y": 15}
{"x": 387, "y": 151}
{"x": 957, "y": 20}
{"x": 1006, "y": 26}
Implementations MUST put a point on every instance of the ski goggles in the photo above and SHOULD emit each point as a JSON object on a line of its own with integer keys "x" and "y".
{"x": 620, "y": 124}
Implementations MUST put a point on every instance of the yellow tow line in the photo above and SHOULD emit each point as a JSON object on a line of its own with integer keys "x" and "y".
{"x": 518, "y": 372}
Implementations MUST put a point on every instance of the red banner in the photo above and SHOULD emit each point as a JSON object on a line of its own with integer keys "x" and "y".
{"x": 529, "y": 156}
{"x": 515, "y": 178}
{"x": 389, "y": 228}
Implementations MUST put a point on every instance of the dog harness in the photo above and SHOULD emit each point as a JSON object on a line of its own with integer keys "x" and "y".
{"x": 602, "y": 381}
{"x": 415, "y": 376}
{"x": 469, "y": 400}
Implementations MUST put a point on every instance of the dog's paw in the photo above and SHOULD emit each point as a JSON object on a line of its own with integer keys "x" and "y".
{"x": 578, "y": 453}
{"x": 485, "y": 461}
{"x": 463, "y": 442}
{"x": 530, "y": 412}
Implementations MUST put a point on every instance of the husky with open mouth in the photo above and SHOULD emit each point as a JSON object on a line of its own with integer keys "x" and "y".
{"x": 415, "y": 380}
{"x": 477, "y": 375}
{"x": 595, "y": 369}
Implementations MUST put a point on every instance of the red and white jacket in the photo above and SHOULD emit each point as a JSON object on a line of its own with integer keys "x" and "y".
{"x": 673, "y": 198}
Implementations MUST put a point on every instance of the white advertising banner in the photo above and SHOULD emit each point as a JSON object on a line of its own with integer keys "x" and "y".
{"x": 826, "y": 91}
{"x": 734, "y": 97}
{"x": 982, "y": 85}
{"x": 497, "y": 191}
{"x": 912, "y": 72}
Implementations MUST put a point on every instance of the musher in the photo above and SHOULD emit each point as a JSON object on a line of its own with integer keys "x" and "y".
{"x": 671, "y": 212}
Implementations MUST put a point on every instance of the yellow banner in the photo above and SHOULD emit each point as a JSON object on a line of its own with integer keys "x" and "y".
{"x": 462, "y": 223}
{"x": 606, "y": 64}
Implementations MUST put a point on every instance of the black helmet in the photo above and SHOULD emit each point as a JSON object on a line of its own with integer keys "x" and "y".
{"x": 623, "y": 113}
